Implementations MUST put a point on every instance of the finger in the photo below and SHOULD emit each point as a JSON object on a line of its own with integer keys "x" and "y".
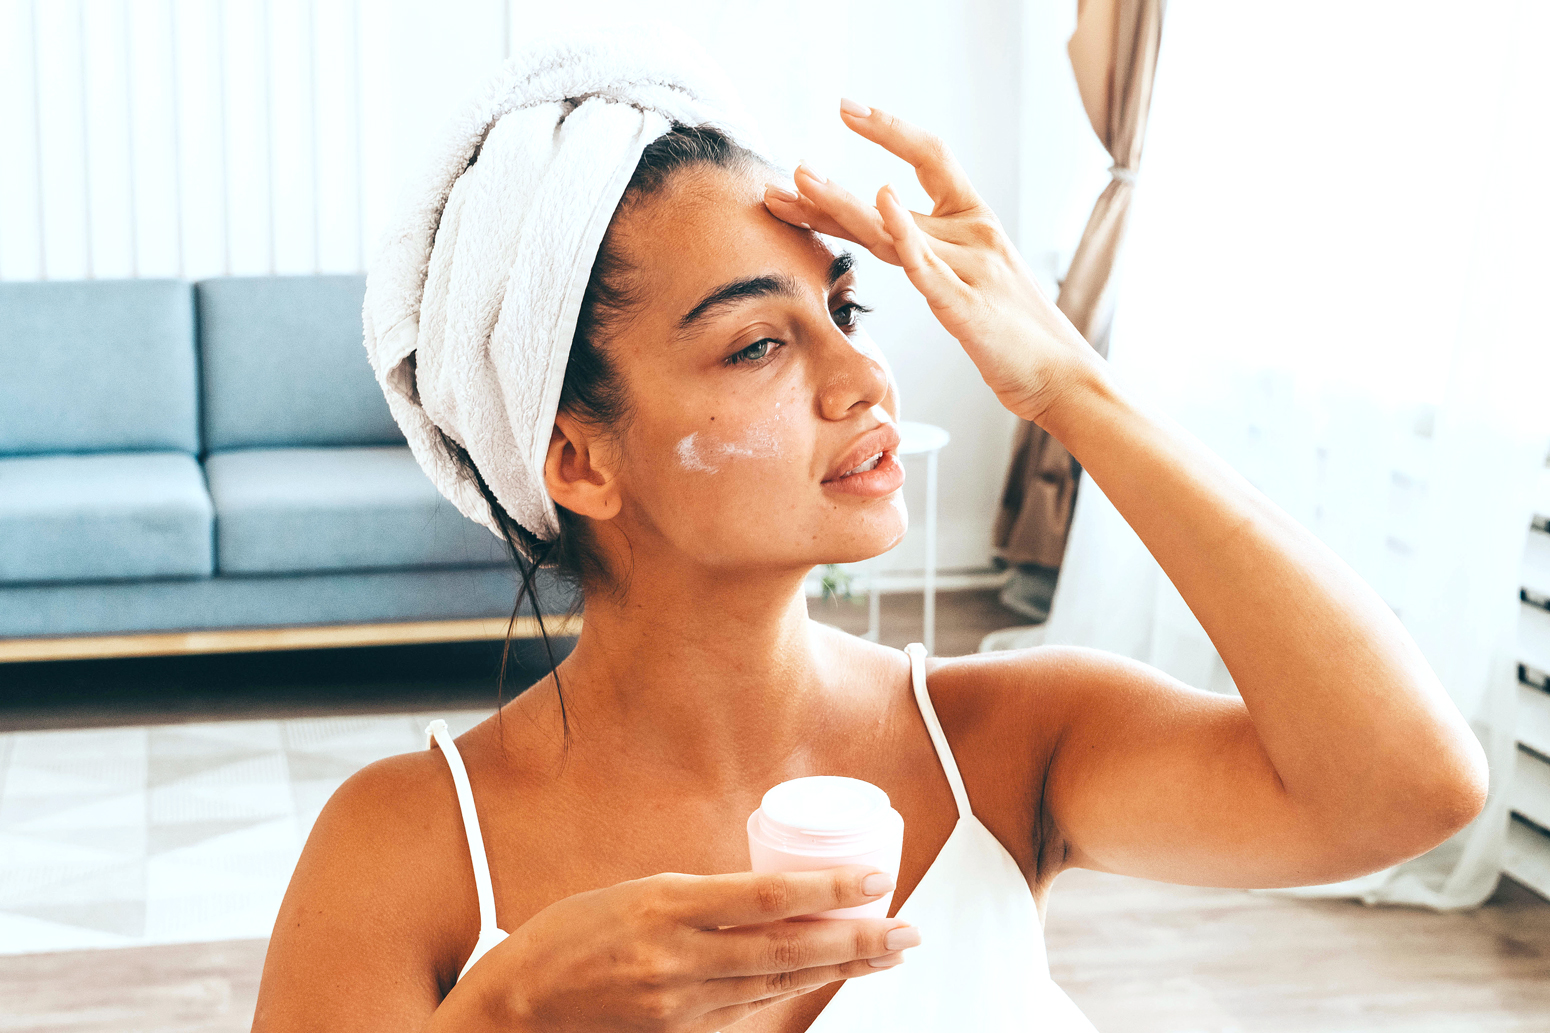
{"x": 859, "y": 222}
{"x": 938, "y": 171}
{"x": 775, "y": 947}
{"x": 750, "y": 989}
{"x": 802, "y": 211}
{"x": 721, "y": 1018}
{"x": 932, "y": 276}
{"x": 746, "y": 898}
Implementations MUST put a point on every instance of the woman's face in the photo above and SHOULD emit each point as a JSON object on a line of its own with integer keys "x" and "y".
{"x": 753, "y": 388}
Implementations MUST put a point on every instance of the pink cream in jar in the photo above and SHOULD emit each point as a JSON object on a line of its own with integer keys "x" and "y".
{"x": 825, "y": 820}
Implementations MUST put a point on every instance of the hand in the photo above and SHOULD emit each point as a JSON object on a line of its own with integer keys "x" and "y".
{"x": 959, "y": 257}
{"x": 678, "y": 953}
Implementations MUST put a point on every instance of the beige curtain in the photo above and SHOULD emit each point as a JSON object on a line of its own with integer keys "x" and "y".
{"x": 1114, "y": 55}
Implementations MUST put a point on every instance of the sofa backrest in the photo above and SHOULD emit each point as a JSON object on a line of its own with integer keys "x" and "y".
{"x": 283, "y": 364}
{"x": 97, "y": 366}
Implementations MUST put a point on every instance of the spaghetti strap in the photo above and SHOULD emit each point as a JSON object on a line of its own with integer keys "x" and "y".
{"x": 489, "y": 933}
{"x": 944, "y": 752}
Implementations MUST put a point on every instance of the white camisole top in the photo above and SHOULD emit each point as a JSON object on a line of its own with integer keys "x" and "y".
{"x": 980, "y": 964}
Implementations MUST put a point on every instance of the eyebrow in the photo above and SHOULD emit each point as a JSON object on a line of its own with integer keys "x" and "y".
{"x": 772, "y": 285}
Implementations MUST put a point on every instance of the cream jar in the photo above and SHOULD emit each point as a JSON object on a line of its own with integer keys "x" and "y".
{"x": 825, "y": 820}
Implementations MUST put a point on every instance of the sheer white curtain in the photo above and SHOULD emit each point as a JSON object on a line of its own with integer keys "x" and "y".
{"x": 1336, "y": 277}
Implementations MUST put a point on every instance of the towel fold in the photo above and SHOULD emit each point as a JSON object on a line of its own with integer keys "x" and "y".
{"x": 473, "y": 299}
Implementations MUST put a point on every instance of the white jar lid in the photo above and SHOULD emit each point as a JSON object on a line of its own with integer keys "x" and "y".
{"x": 825, "y": 803}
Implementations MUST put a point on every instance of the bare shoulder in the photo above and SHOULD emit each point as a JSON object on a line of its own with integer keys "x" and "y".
{"x": 1007, "y": 714}
{"x": 1029, "y": 685}
{"x": 380, "y": 909}
{"x": 1044, "y": 685}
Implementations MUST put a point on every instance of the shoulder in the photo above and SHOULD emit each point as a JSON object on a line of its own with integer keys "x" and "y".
{"x": 395, "y": 812}
{"x": 393, "y": 833}
{"x": 381, "y": 901}
{"x": 1042, "y": 684}
{"x": 990, "y": 687}
{"x": 1005, "y": 714}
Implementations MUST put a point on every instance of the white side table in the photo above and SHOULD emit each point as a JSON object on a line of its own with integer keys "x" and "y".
{"x": 927, "y": 440}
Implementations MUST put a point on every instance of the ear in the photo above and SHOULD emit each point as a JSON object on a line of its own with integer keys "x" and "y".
{"x": 578, "y": 470}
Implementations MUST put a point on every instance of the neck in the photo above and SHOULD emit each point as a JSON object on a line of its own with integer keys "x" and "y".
{"x": 718, "y": 677}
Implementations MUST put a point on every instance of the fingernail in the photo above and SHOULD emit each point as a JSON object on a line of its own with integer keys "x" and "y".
{"x": 886, "y": 961}
{"x": 804, "y": 225}
{"x": 878, "y": 883}
{"x": 850, "y": 107}
{"x": 904, "y": 936}
{"x": 781, "y": 193}
{"x": 811, "y": 172}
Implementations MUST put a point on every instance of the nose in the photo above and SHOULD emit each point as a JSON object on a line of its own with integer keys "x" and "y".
{"x": 852, "y": 371}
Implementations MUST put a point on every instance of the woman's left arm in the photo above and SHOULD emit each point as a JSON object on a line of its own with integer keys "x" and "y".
{"x": 1344, "y": 755}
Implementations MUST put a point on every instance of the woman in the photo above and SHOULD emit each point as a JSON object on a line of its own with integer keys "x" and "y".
{"x": 724, "y": 426}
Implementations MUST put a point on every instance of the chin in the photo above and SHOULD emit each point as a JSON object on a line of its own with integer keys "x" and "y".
{"x": 870, "y": 534}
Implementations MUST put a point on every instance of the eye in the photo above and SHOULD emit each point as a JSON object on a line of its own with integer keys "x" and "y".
{"x": 845, "y": 315}
{"x": 755, "y": 352}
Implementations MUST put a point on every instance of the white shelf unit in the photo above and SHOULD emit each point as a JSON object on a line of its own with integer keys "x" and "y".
{"x": 1528, "y": 839}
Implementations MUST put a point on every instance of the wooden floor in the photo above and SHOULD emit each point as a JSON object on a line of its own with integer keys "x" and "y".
{"x": 1137, "y": 957}
{"x": 1143, "y": 957}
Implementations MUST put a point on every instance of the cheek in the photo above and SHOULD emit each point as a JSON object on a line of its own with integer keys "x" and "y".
{"x": 760, "y": 449}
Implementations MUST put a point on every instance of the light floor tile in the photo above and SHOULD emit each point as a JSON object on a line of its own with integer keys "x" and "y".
{"x": 171, "y": 834}
{"x": 116, "y": 883}
{"x": 119, "y": 840}
{"x": 76, "y": 811}
{"x": 229, "y": 915}
{"x": 252, "y": 734}
{"x": 39, "y": 747}
{"x": 59, "y": 775}
{"x": 183, "y": 802}
{"x": 21, "y": 934}
{"x": 36, "y": 870}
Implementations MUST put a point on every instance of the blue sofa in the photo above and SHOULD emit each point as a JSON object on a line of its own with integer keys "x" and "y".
{"x": 216, "y": 455}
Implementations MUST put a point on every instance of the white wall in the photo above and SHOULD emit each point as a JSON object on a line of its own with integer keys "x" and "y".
{"x": 197, "y": 138}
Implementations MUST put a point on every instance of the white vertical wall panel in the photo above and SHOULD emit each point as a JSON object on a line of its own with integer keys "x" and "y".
{"x": 151, "y": 94}
{"x": 293, "y": 137}
{"x": 249, "y": 136}
{"x": 110, "y": 180}
{"x": 62, "y": 155}
{"x": 189, "y": 137}
{"x": 21, "y": 244}
{"x": 200, "y": 127}
{"x": 337, "y": 134}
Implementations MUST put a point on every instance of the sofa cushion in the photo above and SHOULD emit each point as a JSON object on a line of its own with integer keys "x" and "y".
{"x": 283, "y": 364}
{"x": 270, "y": 600}
{"x": 103, "y": 517}
{"x": 97, "y": 366}
{"x": 288, "y": 510}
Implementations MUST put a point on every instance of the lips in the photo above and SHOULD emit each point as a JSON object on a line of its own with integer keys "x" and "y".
{"x": 885, "y": 478}
{"x": 872, "y": 450}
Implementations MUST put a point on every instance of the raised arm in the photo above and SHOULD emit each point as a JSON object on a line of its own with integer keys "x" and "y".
{"x": 1344, "y": 755}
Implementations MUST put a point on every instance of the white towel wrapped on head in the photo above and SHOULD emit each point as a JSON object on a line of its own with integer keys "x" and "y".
{"x": 472, "y": 302}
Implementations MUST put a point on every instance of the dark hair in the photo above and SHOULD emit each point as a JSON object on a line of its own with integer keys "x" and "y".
{"x": 592, "y": 390}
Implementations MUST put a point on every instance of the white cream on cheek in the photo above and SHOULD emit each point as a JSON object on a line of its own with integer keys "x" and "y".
{"x": 760, "y": 440}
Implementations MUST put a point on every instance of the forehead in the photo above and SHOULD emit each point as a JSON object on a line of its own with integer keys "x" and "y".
{"x": 710, "y": 226}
